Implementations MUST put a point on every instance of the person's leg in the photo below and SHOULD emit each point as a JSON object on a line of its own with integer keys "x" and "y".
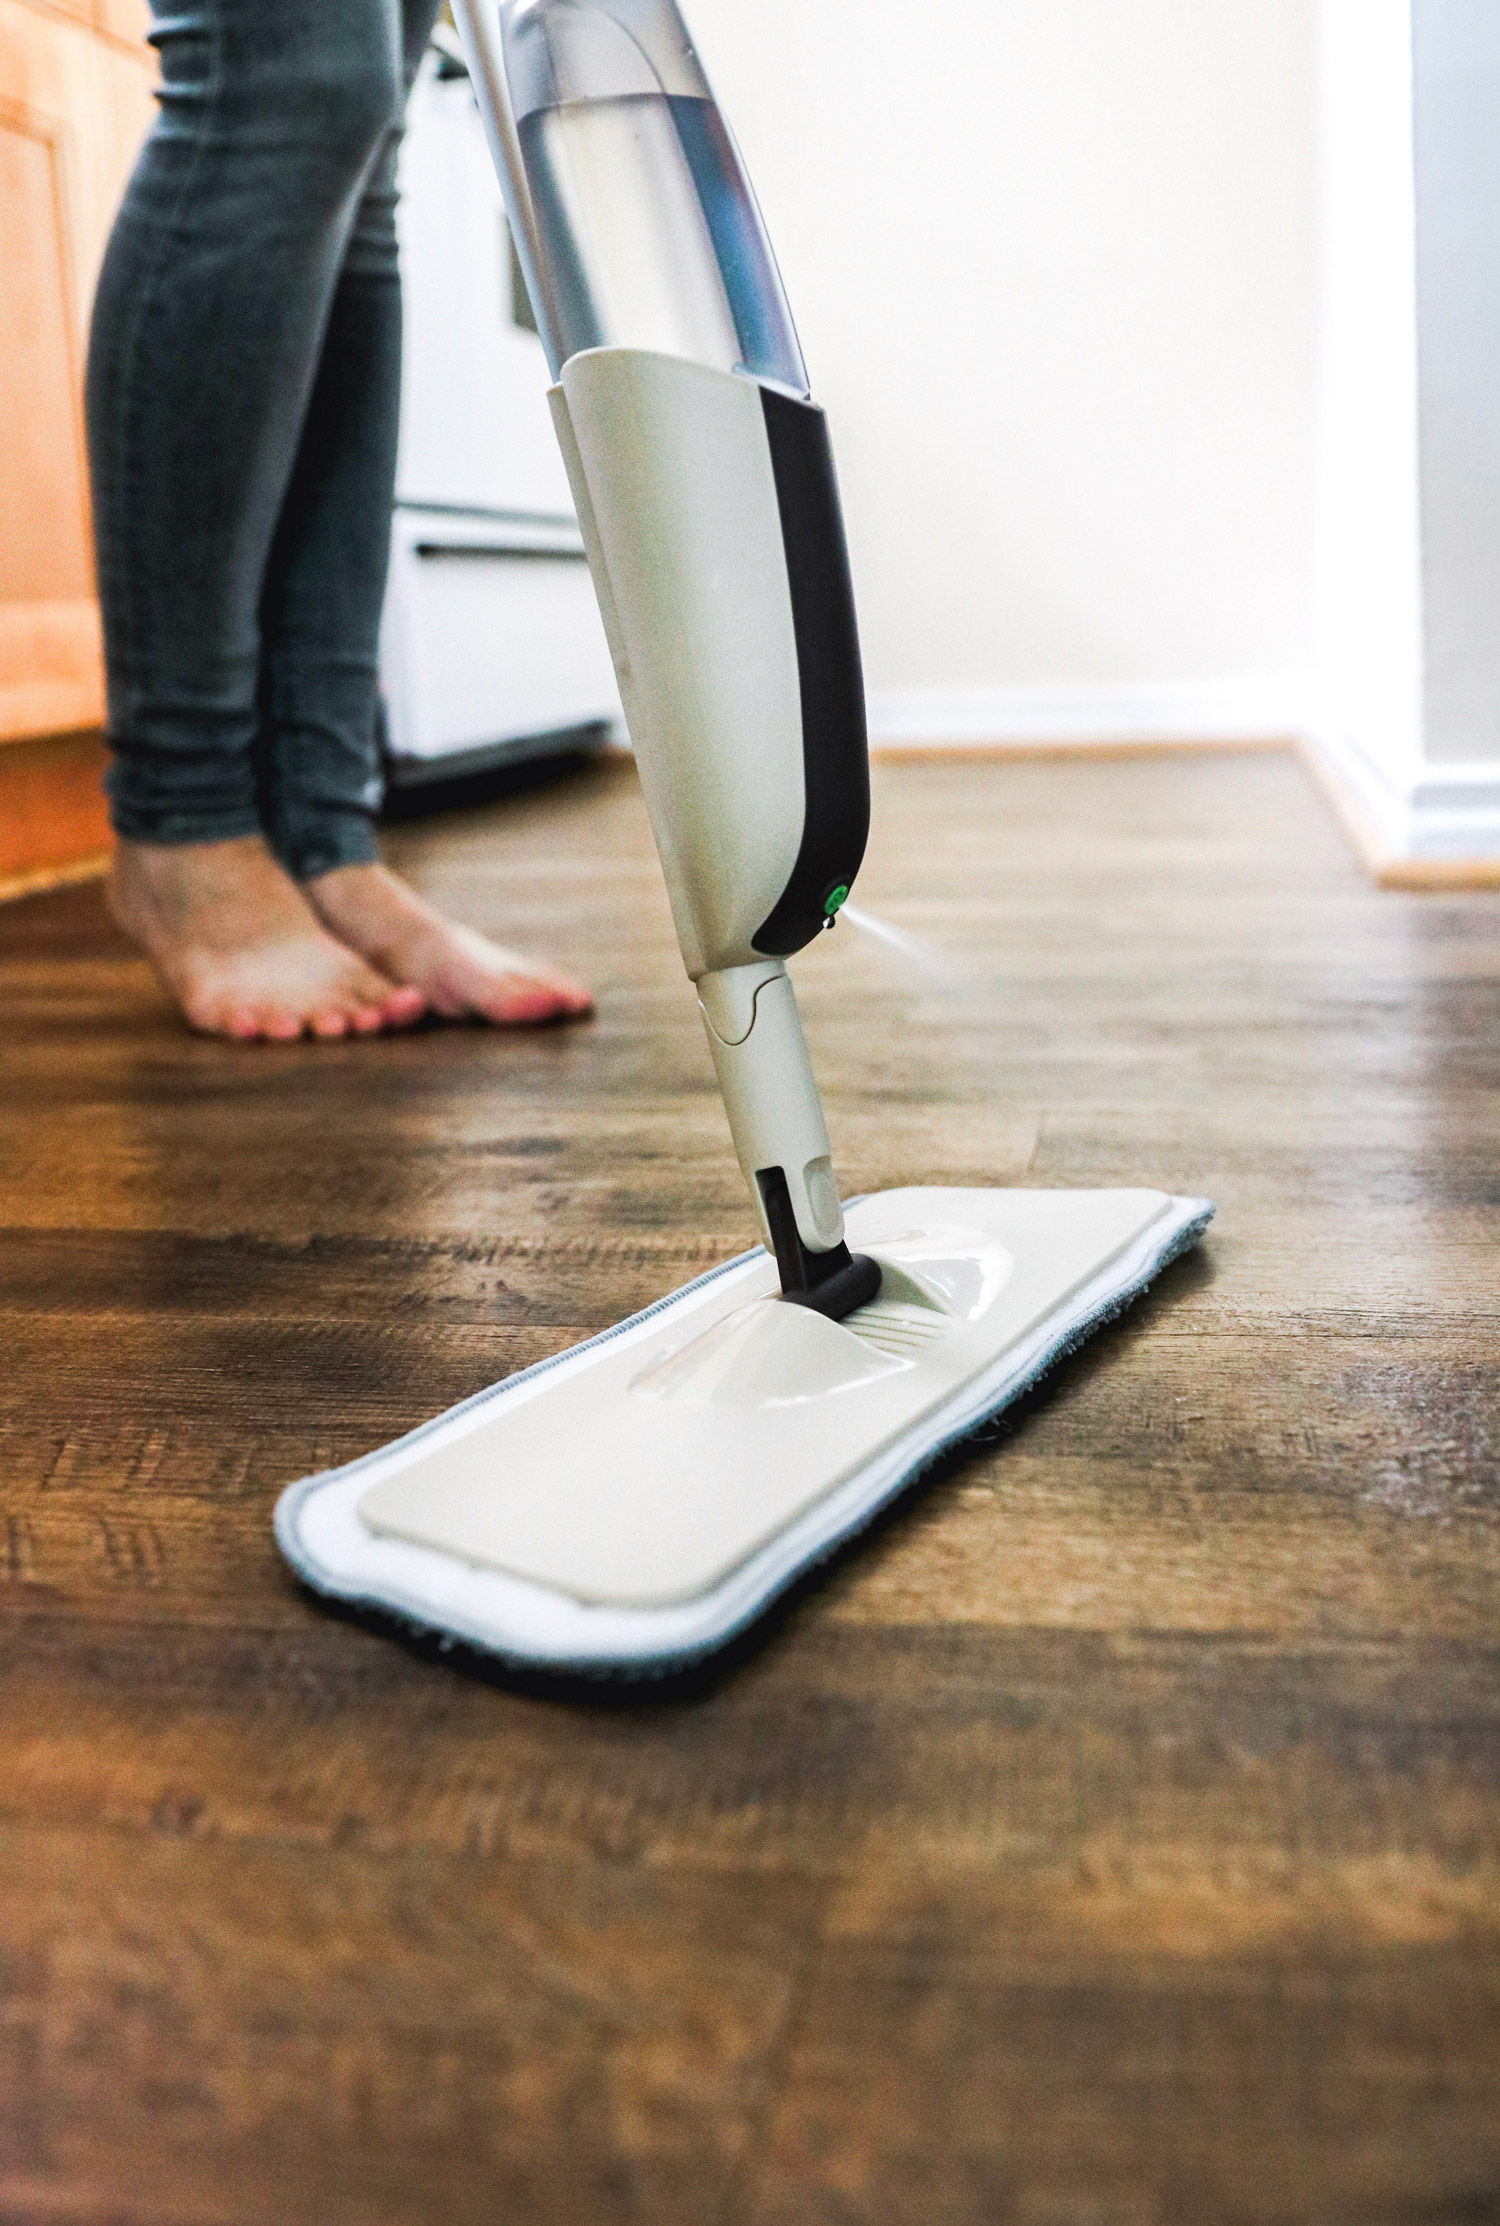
{"x": 325, "y": 580}
{"x": 321, "y": 612}
{"x": 207, "y": 329}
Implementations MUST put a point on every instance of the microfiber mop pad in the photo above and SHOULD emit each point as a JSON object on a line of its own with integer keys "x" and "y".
{"x": 630, "y": 1505}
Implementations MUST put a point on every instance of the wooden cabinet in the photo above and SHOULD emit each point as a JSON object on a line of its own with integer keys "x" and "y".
{"x": 75, "y": 100}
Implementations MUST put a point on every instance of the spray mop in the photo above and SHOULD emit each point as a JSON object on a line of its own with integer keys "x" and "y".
{"x": 634, "y": 1502}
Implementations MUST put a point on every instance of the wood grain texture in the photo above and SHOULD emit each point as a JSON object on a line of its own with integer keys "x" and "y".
{"x": 1114, "y": 1840}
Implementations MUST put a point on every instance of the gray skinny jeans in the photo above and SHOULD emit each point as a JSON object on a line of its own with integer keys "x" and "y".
{"x": 242, "y": 402}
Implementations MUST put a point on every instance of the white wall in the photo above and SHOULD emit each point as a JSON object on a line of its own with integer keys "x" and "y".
{"x": 1456, "y": 129}
{"x": 1053, "y": 265}
{"x": 1367, "y": 629}
{"x": 1407, "y": 571}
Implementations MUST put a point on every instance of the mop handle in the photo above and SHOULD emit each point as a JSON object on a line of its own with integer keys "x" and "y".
{"x": 478, "y": 24}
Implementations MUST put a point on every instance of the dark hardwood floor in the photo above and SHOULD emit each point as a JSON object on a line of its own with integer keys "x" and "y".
{"x": 1113, "y": 1841}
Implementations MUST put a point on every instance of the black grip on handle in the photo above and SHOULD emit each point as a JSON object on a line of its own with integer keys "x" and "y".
{"x": 835, "y": 746}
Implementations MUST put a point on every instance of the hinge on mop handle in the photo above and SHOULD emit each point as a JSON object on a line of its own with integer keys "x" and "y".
{"x": 831, "y": 1283}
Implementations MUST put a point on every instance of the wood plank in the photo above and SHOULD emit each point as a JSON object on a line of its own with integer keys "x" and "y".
{"x": 520, "y": 1976}
{"x": 1114, "y": 1837}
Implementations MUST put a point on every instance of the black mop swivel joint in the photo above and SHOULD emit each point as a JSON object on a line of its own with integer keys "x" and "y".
{"x": 832, "y": 1283}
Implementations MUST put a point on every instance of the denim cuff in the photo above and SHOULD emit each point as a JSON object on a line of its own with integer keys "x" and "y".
{"x": 172, "y": 828}
{"x": 333, "y": 839}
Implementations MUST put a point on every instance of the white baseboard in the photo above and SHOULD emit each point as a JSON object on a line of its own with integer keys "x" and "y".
{"x": 1431, "y": 824}
{"x": 1088, "y": 714}
{"x": 1438, "y": 825}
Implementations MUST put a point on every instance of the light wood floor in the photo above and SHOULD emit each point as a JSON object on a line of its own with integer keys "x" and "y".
{"x": 1113, "y": 1841}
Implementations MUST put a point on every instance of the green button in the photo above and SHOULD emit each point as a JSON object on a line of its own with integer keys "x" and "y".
{"x": 834, "y": 899}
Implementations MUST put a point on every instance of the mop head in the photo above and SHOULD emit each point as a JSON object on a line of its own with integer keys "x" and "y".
{"x": 630, "y": 1505}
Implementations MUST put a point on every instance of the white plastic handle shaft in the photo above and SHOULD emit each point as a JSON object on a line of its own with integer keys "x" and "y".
{"x": 775, "y": 1115}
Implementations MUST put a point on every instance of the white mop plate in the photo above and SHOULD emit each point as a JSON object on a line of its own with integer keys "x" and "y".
{"x": 634, "y": 1502}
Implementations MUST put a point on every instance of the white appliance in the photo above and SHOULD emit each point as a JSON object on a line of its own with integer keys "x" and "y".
{"x": 492, "y": 651}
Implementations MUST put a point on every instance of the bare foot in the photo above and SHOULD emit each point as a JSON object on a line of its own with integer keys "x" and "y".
{"x": 457, "y": 970}
{"x": 238, "y": 947}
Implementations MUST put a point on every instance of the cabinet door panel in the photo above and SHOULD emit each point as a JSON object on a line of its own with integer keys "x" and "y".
{"x": 75, "y": 100}
{"x": 44, "y": 548}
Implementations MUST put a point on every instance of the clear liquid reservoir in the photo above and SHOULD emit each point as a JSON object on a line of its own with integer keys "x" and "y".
{"x": 643, "y": 229}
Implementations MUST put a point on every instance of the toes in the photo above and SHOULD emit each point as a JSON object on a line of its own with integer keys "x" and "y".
{"x": 329, "y": 1002}
{"x": 572, "y": 997}
{"x": 290, "y": 988}
{"x": 565, "y": 997}
{"x": 389, "y": 1008}
{"x": 531, "y": 1003}
{"x": 456, "y": 973}
{"x": 401, "y": 1007}
{"x": 518, "y": 1004}
{"x": 509, "y": 996}
{"x": 534, "y": 997}
{"x": 243, "y": 1023}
